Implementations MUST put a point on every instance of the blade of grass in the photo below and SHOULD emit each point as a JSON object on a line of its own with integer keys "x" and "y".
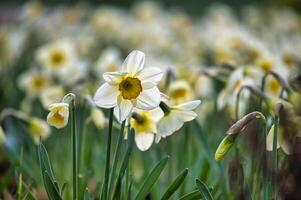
{"x": 175, "y": 185}
{"x": 194, "y": 195}
{"x": 51, "y": 189}
{"x": 124, "y": 164}
{"x": 107, "y": 167}
{"x": 116, "y": 158}
{"x": 151, "y": 179}
{"x": 204, "y": 190}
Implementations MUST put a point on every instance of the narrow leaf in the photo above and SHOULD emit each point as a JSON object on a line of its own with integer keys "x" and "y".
{"x": 175, "y": 185}
{"x": 151, "y": 179}
{"x": 204, "y": 190}
{"x": 50, "y": 187}
{"x": 194, "y": 195}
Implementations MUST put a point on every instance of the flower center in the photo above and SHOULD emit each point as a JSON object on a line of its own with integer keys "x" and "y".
{"x": 142, "y": 123}
{"x": 179, "y": 93}
{"x": 58, "y": 117}
{"x": 275, "y": 86}
{"x": 130, "y": 88}
{"x": 57, "y": 58}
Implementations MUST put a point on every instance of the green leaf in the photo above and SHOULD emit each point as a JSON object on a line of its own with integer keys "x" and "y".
{"x": 194, "y": 195}
{"x": 44, "y": 160}
{"x": 63, "y": 188}
{"x": 175, "y": 184}
{"x": 29, "y": 196}
{"x": 204, "y": 190}
{"x": 151, "y": 179}
{"x": 50, "y": 187}
{"x": 124, "y": 164}
{"x": 47, "y": 173}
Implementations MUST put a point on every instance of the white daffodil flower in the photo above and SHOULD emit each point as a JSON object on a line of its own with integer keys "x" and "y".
{"x": 144, "y": 123}
{"x": 174, "y": 118}
{"x": 58, "y": 115}
{"x": 133, "y": 86}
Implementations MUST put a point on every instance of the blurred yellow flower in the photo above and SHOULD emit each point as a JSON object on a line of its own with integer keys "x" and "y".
{"x": 58, "y": 115}
{"x": 38, "y": 129}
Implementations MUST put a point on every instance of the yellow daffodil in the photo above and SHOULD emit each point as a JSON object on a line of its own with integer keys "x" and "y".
{"x": 58, "y": 115}
{"x": 38, "y": 128}
{"x": 144, "y": 124}
{"x": 98, "y": 118}
{"x": 174, "y": 118}
{"x": 134, "y": 86}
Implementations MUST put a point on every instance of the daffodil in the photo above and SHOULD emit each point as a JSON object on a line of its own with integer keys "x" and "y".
{"x": 133, "y": 86}
{"x": 51, "y": 95}
{"x": 174, "y": 118}
{"x": 38, "y": 129}
{"x": 33, "y": 82}
{"x": 57, "y": 55}
{"x": 179, "y": 91}
{"x": 144, "y": 124}
{"x": 58, "y": 115}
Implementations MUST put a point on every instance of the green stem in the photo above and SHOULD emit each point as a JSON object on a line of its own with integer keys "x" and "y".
{"x": 107, "y": 169}
{"x": 74, "y": 151}
{"x": 275, "y": 161}
{"x": 116, "y": 157}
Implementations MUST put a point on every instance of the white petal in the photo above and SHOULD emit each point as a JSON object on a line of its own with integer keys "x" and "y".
{"x": 123, "y": 110}
{"x": 113, "y": 78}
{"x": 169, "y": 124}
{"x": 144, "y": 140}
{"x": 269, "y": 140}
{"x": 186, "y": 115}
{"x": 156, "y": 114}
{"x": 188, "y": 105}
{"x": 150, "y": 76}
{"x": 106, "y": 96}
{"x": 149, "y": 99}
{"x": 134, "y": 62}
{"x": 157, "y": 138}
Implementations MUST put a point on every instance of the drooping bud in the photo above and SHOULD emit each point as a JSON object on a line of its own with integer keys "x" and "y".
{"x": 237, "y": 127}
{"x": 224, "y": 147}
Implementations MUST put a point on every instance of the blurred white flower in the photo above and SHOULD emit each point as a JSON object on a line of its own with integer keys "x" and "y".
{"x": 174, "y": 118}
{"x": 33, "y": 82}
{"x": 51, "y": 95}
{"x": 98, "y": 117}
{"x": 179, "y": 91}
{"x": 109, "y": 60}
{"x": 133, "y": 86}
{"x": 38, "y": 129}
{"x": 144, "y": 123}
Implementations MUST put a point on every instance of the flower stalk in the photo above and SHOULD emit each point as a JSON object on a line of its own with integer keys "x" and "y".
{"x": 107, "y": 167}
{"x": 70, "y": 100}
